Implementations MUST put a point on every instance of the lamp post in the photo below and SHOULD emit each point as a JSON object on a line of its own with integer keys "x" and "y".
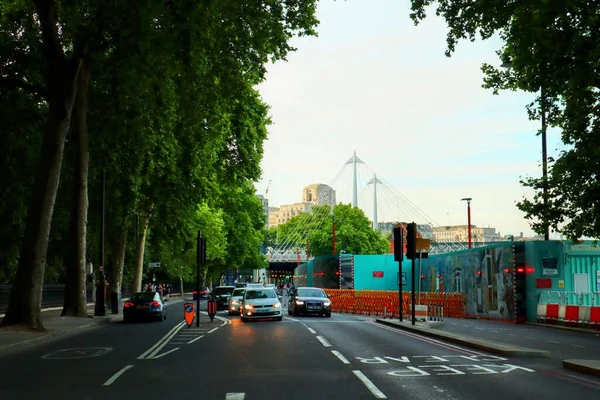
{"x": 507, "y": 63}
{"x": 468, "y": 200}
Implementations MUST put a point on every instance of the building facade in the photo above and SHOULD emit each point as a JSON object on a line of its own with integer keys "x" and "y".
{"x": 460, "y": 234}
{"x": 312, "y": 195}
{"x": 265, "y": 203}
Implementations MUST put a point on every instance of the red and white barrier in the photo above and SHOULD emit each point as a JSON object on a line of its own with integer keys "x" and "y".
{"x": 557, "y": 310}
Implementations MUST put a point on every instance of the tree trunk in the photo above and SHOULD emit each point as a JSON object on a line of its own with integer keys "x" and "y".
{"x": 139, "y": 256}
{"x": 61, "y": 76}
{"x": 75, "y": 296}
{"x": 181, "y": 285}
{"x": 115, "y": 279}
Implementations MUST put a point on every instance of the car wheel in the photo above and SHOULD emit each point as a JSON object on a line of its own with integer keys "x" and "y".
{"x": 164, "y": 316}
{"x": 289, "y": 311}
{"x": 279, "y": 318}
{"x": 328, "y": 315}
{"x": 244, "y": 319}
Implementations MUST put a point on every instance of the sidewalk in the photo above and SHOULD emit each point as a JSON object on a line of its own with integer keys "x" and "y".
{"x": 14, "y": 339}
{"x": 503, "y": 339}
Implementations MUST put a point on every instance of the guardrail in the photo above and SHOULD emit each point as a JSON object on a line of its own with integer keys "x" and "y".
{"x": 52, "y": 296}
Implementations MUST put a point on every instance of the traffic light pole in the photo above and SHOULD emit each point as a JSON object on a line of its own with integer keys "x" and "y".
{"x": 399, "y": 256}
{"x": 411, "y": 247}
{"x": 420, "y": 275}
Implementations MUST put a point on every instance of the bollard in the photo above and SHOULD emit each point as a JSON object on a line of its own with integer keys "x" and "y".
{"x": 441, "y": 312}
{"x": 384, "y": 312}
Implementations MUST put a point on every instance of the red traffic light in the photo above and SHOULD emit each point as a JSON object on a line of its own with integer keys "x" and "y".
{"x": 422, "y": 276}
{"x": 478, "y": 272}
{"x": 520, "y": 270}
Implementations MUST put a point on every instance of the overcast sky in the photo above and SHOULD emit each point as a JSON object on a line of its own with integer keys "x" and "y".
{"x": 374, "y": 83}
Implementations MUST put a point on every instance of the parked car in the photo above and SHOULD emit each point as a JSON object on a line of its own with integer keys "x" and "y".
{"x": 235, "y": 300}
{"x": 145, "y": 305}
{"x": 203, "y": 294}
{"x": 309, "y": 300}
{"x": 221, "y": 295}
{"x": 260, "y": 303}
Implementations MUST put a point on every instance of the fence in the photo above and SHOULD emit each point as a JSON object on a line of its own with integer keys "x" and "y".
{"x": 387, "y": 302}
{"x": 52, "y": 296}
{"x": 566, "y": 308}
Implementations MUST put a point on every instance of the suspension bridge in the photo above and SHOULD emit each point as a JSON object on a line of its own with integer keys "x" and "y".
{"x": 383, "y": 204}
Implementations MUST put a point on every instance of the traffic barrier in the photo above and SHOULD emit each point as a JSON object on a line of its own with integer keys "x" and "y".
{"x": 386, "y": 303}
{"x": 569, "y": 308}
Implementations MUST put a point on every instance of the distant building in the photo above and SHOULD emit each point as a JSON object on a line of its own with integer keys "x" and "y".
{"x": 460, "y": 234}
{"x": 312, "y": 195}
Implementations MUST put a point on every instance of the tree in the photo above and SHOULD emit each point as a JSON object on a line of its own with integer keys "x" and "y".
{"x": 551, "y": 45}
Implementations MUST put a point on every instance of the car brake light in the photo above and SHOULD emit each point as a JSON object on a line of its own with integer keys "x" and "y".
{"x": 155, "y": 304}
{"x": 129, "y": 304}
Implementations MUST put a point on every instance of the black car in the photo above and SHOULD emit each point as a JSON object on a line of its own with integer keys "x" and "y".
{"x": 221, "y": 295}
{"x": 309, "y": 300}
{"x": 145, "y": 305}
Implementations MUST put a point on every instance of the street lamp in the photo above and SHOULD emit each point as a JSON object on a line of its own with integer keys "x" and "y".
{"x": 507, "y": 63}
{"x": 468, "y": 200}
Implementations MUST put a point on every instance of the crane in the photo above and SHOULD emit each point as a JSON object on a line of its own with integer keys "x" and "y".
{"x": 268, "y": 186}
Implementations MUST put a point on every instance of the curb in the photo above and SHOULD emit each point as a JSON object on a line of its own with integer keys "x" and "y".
{"x": 583, "y": 366}
{"x": 505, "y": 350}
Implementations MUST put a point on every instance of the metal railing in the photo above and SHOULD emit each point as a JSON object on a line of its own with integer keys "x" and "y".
{"x": 52, "y": 296}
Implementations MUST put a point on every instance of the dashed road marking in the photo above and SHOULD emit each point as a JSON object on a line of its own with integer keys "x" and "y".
{"x": 341, "y": 357}
{"x": 552, "y": 341}
{"x": 235, "y": 396}
{"x": 370, "y": 385}
{"x": 213, "y": 329}
{"x": 323, "y": 341}
{"x": 193, "y": 340}
{"x": 311, "y": 330}
{"x": 117, "y": 375}
{"x": 578, "y": 345}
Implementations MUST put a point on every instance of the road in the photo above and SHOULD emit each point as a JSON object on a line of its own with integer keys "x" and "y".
{"x": 342, "y": 357}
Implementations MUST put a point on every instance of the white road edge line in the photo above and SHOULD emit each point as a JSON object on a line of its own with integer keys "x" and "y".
{"x": 212, "y": 330}
{"x": 367, "y": 382}
{"x": 235, "y": 396}
{"x": 167, "y": 337}
{"x": 117, "y": 375}
{"x": 341, "y": 357}
{"x": 164, "y": 354}
{"x": 311, "y": 330}
{"x": 164, "y": 343}
{"x": 323, "y": 341}
{"x": 193, "y": 340}
{"x": 217, "y": 317}
{"x": 292, "y": 319}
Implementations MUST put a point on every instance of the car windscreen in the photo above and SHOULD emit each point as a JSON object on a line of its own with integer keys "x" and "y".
{"x": 311, "y": 293}
{"x": 238, "y": 292}
{"x": 142, "y": 297}
{"x": 260, "y": 294}
{"x": 223, "y": 290}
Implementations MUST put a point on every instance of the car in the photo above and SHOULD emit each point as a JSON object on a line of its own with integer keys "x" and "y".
{"x": 221, "y": 295}
{"x": 309, "y": 300}
{"x": 235, "y": 300}
{"x": 144, "y": 305}
{"x": 203, "y": 294}
{"x": 259, "y": 303}
{"x": 254, "y": 285}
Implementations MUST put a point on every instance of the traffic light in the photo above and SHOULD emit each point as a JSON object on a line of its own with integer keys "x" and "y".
{"x": 398, "y": 244}
{"x": 411, "y": 240}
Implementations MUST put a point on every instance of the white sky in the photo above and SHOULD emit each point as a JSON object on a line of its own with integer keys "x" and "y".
{"x": 374, "y": 83}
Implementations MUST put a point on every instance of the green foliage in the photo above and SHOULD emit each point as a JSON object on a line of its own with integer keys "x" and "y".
{"x": 551, "y": 45}
{"x": 354, "y": 233}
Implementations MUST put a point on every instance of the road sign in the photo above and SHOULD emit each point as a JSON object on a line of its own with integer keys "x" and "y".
{"x": 154, "y": 265}
{"x": 188, "y": 313}
{"x": 423, "y": 244}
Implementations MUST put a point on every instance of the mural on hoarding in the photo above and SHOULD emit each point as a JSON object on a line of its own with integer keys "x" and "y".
{"x": 324, "y": 272}
{"x": 485, "y": 275}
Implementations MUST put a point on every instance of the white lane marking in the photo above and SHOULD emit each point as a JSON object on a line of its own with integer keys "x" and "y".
{"x": 165, "y": 339}
{"x": 292, "y": 319}
{"x": 427, "y": 339}
{"x": 529, "y": 337}
{"x": 235, "y": 396}
{"x": 165, "y": 353}
{"x": 117, "y": 375}
{"x": 552, "y": 341}
{"x": 193, "y": 340}
{"x": 212, "y": 330}
{"x": 323, "y": 341}
{"x": 341, "y": 357}
{"x": 227, "y": 321}
{"x": 578, "y": 345}
{"x": 311, "y": 330}
{"x": 370, "y": 385}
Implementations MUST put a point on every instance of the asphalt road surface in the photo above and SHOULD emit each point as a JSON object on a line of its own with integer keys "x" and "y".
{"x": 305, "y": 358}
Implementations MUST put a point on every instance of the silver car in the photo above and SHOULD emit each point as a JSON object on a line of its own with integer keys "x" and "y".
{"x": 260, "y": 303}
{"x": 233, "y": 306}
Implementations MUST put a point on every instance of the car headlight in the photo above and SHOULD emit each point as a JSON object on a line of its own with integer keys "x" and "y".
{"x": 327, "y": 303}
{"x": 299, "y": 302}
{"x": 248, "y": 306}
{"x": 277, "y": 305}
